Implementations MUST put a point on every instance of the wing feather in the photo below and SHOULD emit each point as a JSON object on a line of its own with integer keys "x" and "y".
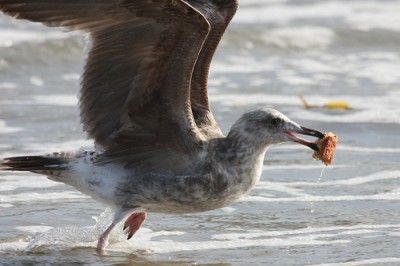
{"x": 136, "y": 83}
{"x": 219, "y": 14}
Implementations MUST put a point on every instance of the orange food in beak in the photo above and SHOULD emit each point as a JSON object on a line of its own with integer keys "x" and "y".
{"x": 326, "y": 148}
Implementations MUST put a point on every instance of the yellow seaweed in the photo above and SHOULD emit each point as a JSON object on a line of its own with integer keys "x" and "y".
{"x": 333, "y": 105}
{"x": 343, "y": 105}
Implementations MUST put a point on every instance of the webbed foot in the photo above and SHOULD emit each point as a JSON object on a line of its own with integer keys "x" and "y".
{"x": 133, "y": 223}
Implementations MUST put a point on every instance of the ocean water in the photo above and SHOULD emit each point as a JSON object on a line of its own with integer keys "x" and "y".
{"x": 273, "y": 52}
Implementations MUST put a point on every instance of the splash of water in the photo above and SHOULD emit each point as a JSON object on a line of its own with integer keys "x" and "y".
{"x": 71, "y": 236}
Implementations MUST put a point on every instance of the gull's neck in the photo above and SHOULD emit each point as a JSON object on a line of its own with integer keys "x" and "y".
{"x": 236, "y": 163}
{"x": 239, "y": 149}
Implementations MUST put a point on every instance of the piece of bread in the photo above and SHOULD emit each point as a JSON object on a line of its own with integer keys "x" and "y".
{"x": 327, "y": 147}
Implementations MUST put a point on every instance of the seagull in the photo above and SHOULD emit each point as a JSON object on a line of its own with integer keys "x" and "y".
{"x": 144, "y": 101}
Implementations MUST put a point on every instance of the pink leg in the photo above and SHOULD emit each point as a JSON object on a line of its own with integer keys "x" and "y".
{"x": 103, "y": 240}
{"x": 102, "y": 243}
{"x": 134, "y": 222}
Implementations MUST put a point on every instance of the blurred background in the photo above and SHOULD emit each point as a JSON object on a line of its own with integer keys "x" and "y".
{"x": 342, "y": 56}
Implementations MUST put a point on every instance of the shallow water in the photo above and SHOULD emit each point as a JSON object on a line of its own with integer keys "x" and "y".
{"x": 273, "y": 51}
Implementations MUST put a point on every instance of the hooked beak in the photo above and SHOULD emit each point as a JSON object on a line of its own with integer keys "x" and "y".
{"x": 308, "y": 132}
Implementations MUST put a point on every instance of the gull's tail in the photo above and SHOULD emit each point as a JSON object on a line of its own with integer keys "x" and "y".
{"x": 38, "y": 164}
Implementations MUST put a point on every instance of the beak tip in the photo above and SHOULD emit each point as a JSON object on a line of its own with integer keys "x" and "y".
{"x": 309, "y": 132}
{"x": 314, "y": 146}
{"x": 312, "y": 132}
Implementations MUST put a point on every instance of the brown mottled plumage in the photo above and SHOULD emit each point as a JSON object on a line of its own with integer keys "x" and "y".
{"x": 141, "y": 63}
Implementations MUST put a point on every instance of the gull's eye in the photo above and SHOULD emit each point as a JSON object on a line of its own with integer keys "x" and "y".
{"x": 275, "y": 121}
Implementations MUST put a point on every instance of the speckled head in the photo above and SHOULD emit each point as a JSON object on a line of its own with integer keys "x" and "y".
{"x": 268, "y": 126}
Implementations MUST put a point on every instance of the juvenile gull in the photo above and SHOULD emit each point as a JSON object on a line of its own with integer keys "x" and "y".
{"x": 144, "y": 102}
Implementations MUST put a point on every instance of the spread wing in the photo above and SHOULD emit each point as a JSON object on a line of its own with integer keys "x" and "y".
{"x": 219, "y": 14}
{"x": 136, "y": 85}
